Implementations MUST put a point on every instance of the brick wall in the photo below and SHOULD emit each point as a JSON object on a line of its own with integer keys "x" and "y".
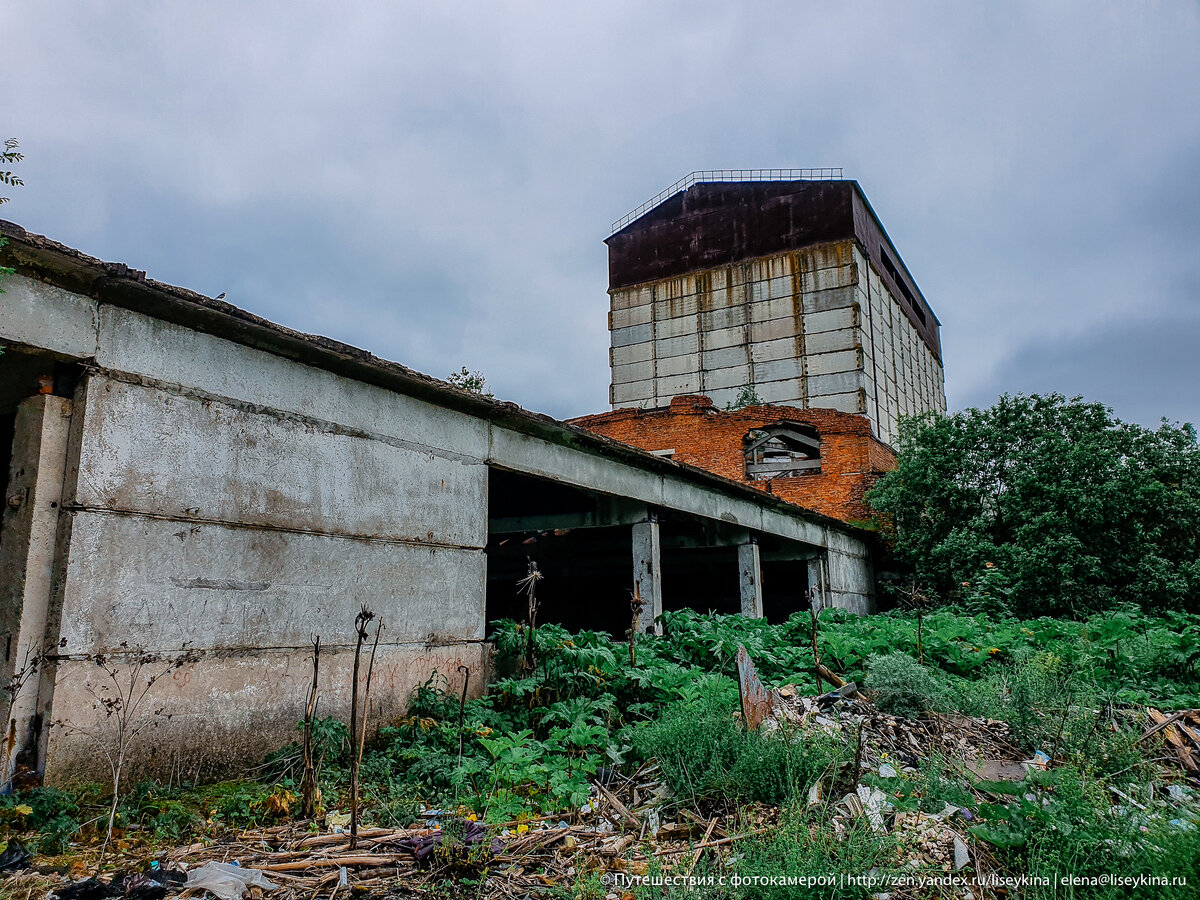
{"x": 710, "y": 438}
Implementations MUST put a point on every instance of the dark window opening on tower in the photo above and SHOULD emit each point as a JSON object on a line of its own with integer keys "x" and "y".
{"x": 891, "y": 269}
{"x": 783, "y": 450}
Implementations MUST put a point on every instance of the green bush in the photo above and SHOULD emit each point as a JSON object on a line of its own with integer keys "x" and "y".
{"x": 900, "y": 685}
{"x": 54, "y": 814}
{"x": 1063, "y": 822}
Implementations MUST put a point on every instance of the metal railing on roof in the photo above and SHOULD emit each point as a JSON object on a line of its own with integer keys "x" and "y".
{"x": 702, "y": 176}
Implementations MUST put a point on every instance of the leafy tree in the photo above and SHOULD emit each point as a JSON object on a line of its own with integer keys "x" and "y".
{"x": 474, "y": 382}
{"x": 1041, "y": 505}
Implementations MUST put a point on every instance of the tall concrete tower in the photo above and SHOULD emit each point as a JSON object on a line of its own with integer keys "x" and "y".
{"x": 780, "y": 279}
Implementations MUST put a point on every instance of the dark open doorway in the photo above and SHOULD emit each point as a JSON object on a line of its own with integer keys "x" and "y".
{"x": 585, "y": 564}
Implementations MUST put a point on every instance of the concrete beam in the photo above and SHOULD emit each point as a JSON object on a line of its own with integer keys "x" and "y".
{"x": 647, "y": 573}
{"x": 750, "y": 579}
{"x": 42, "y": 315}
{"x": 797, "y": 553}
{"x": 609, "y": 512}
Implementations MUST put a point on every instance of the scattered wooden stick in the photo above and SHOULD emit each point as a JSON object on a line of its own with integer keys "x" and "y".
{"x": 1169, "y": 720}
{"x": 324, "y": 862}
{"x": 634, "y": 822}
{"x": 700, "y": 849}
{"x": 716, "y": 843}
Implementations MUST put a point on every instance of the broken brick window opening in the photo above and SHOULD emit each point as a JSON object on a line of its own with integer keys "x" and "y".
{"x": 783, "y": 450}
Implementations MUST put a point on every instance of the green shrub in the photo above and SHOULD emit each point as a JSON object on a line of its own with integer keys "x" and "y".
{"x": 804, "y": 845}
{"x": 164, "y": 812}
{"x": 1063, "y": 822}
{"x": 900, "y": 685}
{"x": 54, "y": 814}
{"x": 705, "y": 755}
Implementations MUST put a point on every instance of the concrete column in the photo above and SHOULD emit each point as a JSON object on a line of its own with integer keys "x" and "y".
{"x": 31, "y": 506}
{"x": 818, "y": 581}
{"x": 647, "y": 573}
{"x": 750, "y": 579}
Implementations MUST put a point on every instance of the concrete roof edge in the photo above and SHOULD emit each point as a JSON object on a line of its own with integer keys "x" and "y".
{"x": 899, "y": 258}
{"x": 118, "y": 284}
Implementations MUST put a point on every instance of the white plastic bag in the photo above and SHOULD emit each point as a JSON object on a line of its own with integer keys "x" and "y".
{"x": 226, "y": 881}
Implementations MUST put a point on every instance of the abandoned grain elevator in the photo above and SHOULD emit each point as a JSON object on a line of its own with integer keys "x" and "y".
{"x": 783, "y": 280}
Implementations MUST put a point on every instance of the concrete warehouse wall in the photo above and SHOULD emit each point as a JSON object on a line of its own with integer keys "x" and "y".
{"x": 813, "y": 328}
{"x": 230, "y": 502}
{"x": 223, "y": 501}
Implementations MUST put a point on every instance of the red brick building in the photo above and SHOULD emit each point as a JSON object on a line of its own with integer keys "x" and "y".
{"x": 820, "y": 459}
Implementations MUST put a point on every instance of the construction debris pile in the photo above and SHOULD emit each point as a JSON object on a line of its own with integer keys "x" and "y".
{"x": 1181, "y": 730}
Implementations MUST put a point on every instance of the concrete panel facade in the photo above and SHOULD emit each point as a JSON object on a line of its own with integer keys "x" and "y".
{"x": 239, "y": 708}
{"x": 163, "y": 453}
{"x": 813, "y": 328}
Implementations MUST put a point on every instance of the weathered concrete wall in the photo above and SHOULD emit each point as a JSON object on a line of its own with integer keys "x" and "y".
{"x": 851, "y": 582}
{"x": 814, "y": 328}
{"x": 237, "y": 531}
{"x": 215, "y": 711}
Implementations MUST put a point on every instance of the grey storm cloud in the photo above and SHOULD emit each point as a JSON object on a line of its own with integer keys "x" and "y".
{"x": 434, "y": 181}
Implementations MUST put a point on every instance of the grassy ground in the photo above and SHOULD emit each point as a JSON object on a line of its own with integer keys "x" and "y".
{"x": 576, "y": 705}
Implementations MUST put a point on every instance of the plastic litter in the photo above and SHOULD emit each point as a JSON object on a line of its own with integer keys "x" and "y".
{"x": 88, "y": 889}
{"x": 15, "y": 856}
{"x": 873, "y": 803}
{"x": 140, "y": 886}
{"x": 226, "y": 881}
{"x": 886, "y": 771}
{"x": 336, "y": 821}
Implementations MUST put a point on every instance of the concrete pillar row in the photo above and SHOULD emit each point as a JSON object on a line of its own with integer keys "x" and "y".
{"x": 647, "y": 573}
{"x": 750, "y": 579}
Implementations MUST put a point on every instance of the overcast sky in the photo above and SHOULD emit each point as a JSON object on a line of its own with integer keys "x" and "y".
{"x": 433, "y": 181}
